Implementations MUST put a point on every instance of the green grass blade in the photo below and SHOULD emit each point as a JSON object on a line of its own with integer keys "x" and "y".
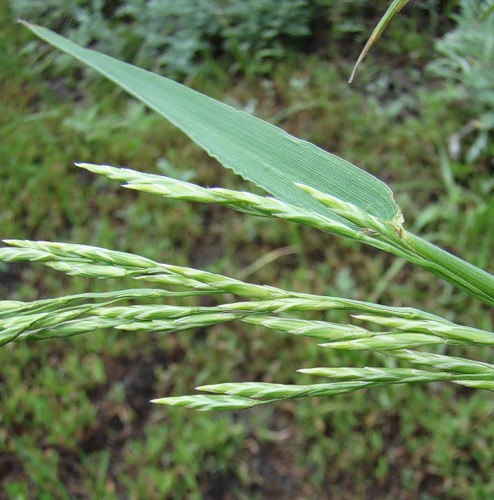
{"x": 253, "y": 148}
{"x": 393, "y": 9}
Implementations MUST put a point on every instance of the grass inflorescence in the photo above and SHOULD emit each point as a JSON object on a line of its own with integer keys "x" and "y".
{"x": 407, "y": 328}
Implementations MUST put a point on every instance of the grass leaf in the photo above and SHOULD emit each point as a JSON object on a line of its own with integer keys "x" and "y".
{"x": 253, "y": 148}
{"x": 393, "y": 9}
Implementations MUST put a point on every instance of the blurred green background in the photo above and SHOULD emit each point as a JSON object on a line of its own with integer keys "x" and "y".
{"x": 75, "y": 421}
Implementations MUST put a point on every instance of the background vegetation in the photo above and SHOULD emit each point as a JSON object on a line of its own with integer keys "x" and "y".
{"x": 75, "y": 419}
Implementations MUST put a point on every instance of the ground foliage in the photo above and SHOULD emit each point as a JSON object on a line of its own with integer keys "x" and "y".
{"x": 75, "y": 417}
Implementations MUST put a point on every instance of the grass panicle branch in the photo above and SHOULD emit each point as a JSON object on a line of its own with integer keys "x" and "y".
{"x": 346, "y": 380}
{"x": 82, "y": 260}
{"x": 358, "y": 224}
{"x": 77, "y": 314}
{"x": 241, "y": 201}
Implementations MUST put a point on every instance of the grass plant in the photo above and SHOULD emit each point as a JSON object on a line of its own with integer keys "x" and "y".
{"x": 76, "y": 418}
{"x": 348, "y": 202}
